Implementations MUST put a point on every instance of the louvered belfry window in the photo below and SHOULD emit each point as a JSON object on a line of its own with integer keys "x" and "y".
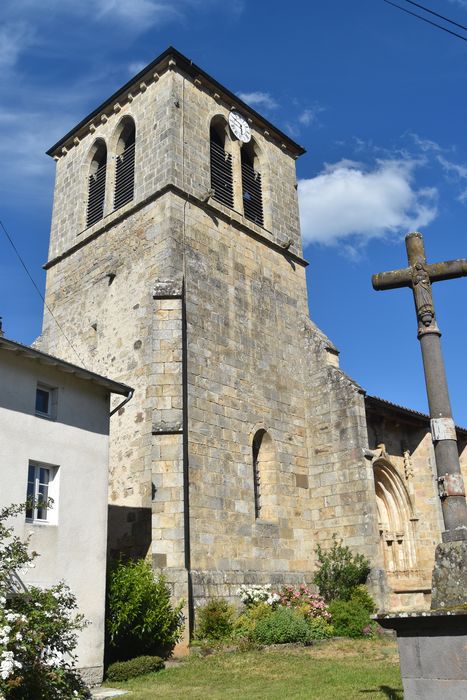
{"x": 96, "y": 186}
{"x": 221, "y": 168}
{"x": 251, "y": 187}
{"x": 125, "y": 166}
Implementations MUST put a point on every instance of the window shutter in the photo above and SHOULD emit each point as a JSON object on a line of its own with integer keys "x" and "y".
{"x": 221, "y": 174}
{"x": 125, "y": 177}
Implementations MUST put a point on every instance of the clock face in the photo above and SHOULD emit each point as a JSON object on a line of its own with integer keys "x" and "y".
{"x": 240, "y": 127}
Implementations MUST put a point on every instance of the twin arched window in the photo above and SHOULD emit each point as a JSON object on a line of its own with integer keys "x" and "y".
{"x": 124, "y": 172}
{"x": 222, "y": 172}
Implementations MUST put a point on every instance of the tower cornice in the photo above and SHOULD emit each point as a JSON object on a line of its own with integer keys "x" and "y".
{"x": 170, "y": 59}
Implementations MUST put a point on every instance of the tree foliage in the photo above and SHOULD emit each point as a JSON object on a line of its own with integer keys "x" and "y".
{"x": 38, "y": 628}
{"x": 140, "y": 617}
{"x": 339, "y": 571}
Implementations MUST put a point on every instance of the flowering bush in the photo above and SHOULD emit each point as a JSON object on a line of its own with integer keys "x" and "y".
{"x": 38, "y": 629}
{"x": 254, "y": 594}
{"x": 309, "y": 604}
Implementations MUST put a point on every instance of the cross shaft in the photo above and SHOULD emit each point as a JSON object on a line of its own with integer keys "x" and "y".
{"x": 419, "y": 276}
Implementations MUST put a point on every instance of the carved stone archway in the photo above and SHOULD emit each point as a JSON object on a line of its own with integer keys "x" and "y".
{"x": 396, "y": 520}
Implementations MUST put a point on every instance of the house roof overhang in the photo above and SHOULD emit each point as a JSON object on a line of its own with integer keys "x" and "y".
{"x": 63, "y": 366}
{"x": 403, "y": 414}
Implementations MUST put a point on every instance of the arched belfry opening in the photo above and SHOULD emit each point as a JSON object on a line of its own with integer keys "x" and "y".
{"x": 396, "y": 521}
{"x": 251, "y": 183}
{"x": 221, "y": 163}
{"x": 96, "y": 183}
{"x": 264, "y": 475}
{"x": 125, "y": 164}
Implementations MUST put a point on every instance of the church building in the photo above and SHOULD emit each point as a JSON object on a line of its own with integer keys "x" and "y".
{"x": 176, "y": 265}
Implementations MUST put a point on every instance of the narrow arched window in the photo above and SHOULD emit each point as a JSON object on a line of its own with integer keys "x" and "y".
{"x": 221, "y": 165}
{"x": 125, "y": 165}
{"x": 96, "y": 185}
{"x": 251, "y": 185}
{"x": 256, "y": 471}
{"x": 264, "y": 475}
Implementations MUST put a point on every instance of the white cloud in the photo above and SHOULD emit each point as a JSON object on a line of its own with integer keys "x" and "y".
{"x": 136, "y": 67}
{"x": 307, "y": 117}
{"x": 453, "y": 168}
{"x": 310, "y": 115}
{"x": 139, "y": 13}
{"x": 346, "y": 201}
{"x": 258, "y": 99}
{"x": 426, "y": 145}
{"x": 136, "y": 15}
{"x": 15, "y": 37}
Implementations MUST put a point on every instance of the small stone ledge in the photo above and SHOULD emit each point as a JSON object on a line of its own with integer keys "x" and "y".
{"x": 167, "y": 428}
{"x": 168, "y": 289}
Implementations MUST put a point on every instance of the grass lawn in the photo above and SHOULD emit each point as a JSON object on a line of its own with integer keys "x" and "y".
{"x": 338, "y": 670}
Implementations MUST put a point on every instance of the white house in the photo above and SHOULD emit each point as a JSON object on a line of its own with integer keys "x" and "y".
{"x": 54, "y": 428}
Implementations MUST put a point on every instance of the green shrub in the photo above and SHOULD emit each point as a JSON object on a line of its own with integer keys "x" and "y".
{"x": 245, "y": 624}
{"x": 351, "y": 618}
{"x": 320, "y": 629}
{"x": 282, "y": 626}
{"x": 214, "y": 621}
{"x": 339, "y": 571}
{"x": 360, "y": 595}
{"x": 123, "y": 670}
{"x": 140, "y": 616}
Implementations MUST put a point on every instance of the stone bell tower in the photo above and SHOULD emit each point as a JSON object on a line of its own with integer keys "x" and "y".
{"x": 175, "y": 265}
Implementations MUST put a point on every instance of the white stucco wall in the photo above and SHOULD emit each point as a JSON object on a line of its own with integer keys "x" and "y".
{"x": 73, "y": 548}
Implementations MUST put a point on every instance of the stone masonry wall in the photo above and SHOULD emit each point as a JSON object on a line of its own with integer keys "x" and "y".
{"x": 245, "y": 310}
{"x": 343, "y": 501}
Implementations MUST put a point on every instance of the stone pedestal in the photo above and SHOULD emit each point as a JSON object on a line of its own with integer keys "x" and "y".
{"x": 433, "y": 653}
{"x": 449, "y": 587}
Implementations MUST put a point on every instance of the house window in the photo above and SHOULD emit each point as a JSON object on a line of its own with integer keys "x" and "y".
{"x": 40, "y": 482}
{"x": 125, "y": 165}
{"x": 251, "y": 185}
{"x": 46, "y": 401}
{"x": 96, "y": 184}
{"x": 221, "y": 165}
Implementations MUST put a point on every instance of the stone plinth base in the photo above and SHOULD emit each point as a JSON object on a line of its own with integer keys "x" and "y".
{"x": 92, "y": 675}
{"x": 432, "y": 653}
{"x": 450, "y": 575}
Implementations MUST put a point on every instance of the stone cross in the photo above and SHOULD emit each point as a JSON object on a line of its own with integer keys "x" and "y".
{"x": 419, "y": 276}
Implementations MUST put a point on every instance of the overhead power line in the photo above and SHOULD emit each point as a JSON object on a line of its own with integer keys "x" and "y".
{"x": 428, "y": 21}
{"x": 436, "y": 14}
{"x": 39, "y": 292}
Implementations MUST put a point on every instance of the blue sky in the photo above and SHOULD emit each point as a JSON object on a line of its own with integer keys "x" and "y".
{"x": 377, "y": 98}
